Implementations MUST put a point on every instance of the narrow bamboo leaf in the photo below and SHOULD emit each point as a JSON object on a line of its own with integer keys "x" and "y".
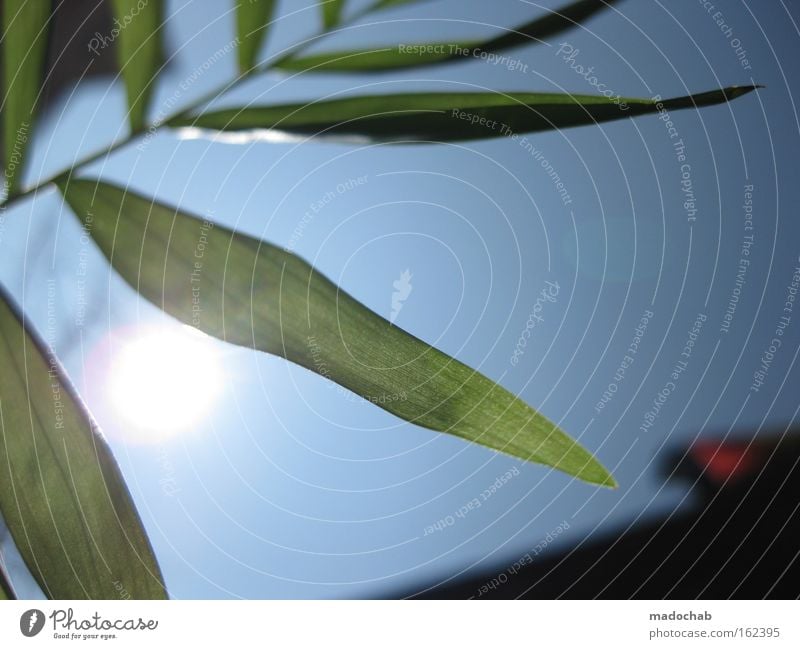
{"x": 251, "y": 293}
{"x": 380, "y": 5}
{"x": 444, "y": 116}
{"x": 331, "y": 12}
{"x": 252, "y": 21}
{"x": 409, "y": 55}
{"x": 137, "y": 31}
{"x": 61, "y": 493}
{"x": 6, "y": 592}
{"x": 24, "y": 48}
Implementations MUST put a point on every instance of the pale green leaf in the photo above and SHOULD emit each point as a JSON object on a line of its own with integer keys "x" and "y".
{"x": 254, "y": 294}
{"x": 252, "y": 23}
{"x": 409, "y": 55}
{"x": 380, "y": 5}
{"x": 24, "y": 49}
{"x": 137, "y": 36}
{"x": 443, "y": 116}
{"x": 331, "y": 12}
{"x": 61, "y": 493}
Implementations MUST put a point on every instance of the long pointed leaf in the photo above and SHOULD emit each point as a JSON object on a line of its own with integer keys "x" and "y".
{"x": 137, "y": 31}
{"x": 252, "y": 20}
{"x": 444, "y": 116}
{"x": 257, "y": 295}
{"x": 61, "y": 493}
{"x": 380, "y": 5}
{"x": 25, "y": 31}
{"x": 396, "y": 57}
{"x": 331, "y": 12}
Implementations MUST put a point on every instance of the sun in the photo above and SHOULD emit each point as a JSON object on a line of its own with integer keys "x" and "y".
{"x": 165, "y": 381}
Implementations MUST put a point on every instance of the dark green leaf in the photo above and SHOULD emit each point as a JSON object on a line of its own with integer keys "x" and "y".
{"x": 6, "y": 592}
{"x": 410, "y": 55}
{"x": 331, "y": 12}
{"x": 444, "y": 116}
{"x": 257, "y": 295}
{"x": 61, "y": 493}
{"x": 252, "y": 22}
{"x": 137, "y": 30}
{"x": 24, "y": 48}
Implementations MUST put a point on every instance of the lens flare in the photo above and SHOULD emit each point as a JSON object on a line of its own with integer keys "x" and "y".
{"x": 164, "y": 381}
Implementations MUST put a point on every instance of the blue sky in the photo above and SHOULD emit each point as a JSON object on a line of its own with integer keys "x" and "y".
{"x": 288, "y": 487}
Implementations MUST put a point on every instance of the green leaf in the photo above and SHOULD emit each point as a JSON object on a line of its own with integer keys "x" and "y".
{"x": 24, "y": 49}
{"x": 444, "y": 116}
{"x": 137, "y": 32}
{"x": 409, "y": 55}
{"x": 331, "y": 12}
{"x": 252, "y": 21}
{"x": 61, "y": 493}
{"x": 254, "y": 294}
{"x": 380, "y": 5}
{"x": 6, "y": 592}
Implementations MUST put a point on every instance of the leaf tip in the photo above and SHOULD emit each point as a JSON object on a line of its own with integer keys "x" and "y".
{"x": 732, "y": 92}
{"x": 596, "y": 474}
{"x": 609, "y": 482}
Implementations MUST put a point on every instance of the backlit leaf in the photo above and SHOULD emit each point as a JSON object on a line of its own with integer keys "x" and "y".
{"x": 252, "y": 22}
{"x": 137, "y": 32}
{"x": 443, "y": 116}
{"x": 24, "y": 49}
{"x": 62, "y": 495}
{"x": 5, "y": 586}
{"x": 331, "y": 12}
{"x": 380, "y": 5}
{"x": 408, "y": 55}
{"x": 252, "y": 293}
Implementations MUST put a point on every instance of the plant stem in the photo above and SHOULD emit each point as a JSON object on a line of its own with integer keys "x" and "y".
{"x": 152, "y": 128}
{"x": 66, "y": 172}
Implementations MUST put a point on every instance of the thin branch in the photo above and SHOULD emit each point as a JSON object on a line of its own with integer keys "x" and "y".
{"x": 152, "y": 128}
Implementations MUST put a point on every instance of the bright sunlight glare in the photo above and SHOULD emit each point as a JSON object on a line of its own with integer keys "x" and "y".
{"x": 164, "y": 381}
